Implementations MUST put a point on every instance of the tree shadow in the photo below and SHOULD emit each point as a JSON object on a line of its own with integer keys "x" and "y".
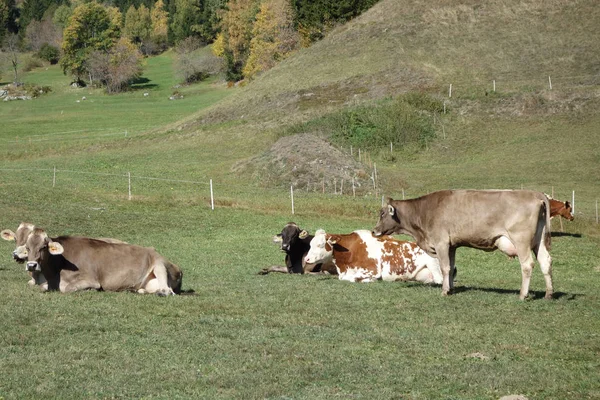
{"x": 142, "y": 83}
{"x": 533, "y": 295}
{"x": 561, "y": 234}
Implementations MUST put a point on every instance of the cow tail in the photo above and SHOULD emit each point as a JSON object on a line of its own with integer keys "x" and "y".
{"x": 547, "y": 230}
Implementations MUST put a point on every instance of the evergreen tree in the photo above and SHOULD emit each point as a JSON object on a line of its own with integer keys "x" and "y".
{"x": 186, "y": 19}
{"x": 237, "y": 32}
{"x": 8, "y": 18}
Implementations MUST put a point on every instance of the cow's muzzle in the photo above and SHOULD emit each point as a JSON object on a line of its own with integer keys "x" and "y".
{"x": 33, "y": 266}
{"x": 285, "y": 247}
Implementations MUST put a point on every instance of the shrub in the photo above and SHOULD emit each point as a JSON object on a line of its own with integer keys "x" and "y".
{"x": 406, "y": 120}
{"x": 49, "y": 53}
{"x": 32, "y": 63}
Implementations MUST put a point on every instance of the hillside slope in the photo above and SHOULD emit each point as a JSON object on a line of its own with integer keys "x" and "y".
{"x": 399, "y": 46}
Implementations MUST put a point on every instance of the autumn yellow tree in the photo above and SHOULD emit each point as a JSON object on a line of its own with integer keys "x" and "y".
{"x": 236, "y": 26}
{"x": 273, "y": 36}
{"x": 160, "y": 23}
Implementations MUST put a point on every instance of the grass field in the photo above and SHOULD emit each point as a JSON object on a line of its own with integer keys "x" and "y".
{"x": 242, "y": 335}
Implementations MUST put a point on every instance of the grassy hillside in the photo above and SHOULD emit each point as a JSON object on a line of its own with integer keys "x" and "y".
{"x": 241, "y": 335}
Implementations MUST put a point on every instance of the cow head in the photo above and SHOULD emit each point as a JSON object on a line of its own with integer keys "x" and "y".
{"x": 23, "y": 231}
{"x": 289, "y": 235}
{"x": 321, "y": 248}
{"x": 39, "y": 248}
{"x": 388, "y": 223}
{"x": 567, "y": 211}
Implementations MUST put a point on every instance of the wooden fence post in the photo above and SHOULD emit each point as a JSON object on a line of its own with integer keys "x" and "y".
{"x": 212, "y": 198}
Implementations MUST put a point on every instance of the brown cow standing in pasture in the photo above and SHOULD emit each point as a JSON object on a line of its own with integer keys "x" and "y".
{"x": 516, "y": 222}
{"x": 71, "y": 263}
{"x": 560, "y": 208}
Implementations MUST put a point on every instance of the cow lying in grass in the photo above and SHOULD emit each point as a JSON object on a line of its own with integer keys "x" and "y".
{"x": 362, "y": 257}
{"x": 72, "y": 263}
{"x": 295, "y": 243}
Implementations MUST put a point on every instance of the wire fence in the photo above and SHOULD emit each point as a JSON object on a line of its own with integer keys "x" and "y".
{"x": 129, "y": 187}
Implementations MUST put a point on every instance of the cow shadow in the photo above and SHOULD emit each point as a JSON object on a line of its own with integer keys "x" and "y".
{"x": 533, "y": 295}
{"x": 142, "y": 83}
{"x": 561, "y": 234}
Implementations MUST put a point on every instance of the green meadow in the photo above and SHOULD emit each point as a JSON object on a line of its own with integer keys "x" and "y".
{"x": 237, "y": 334}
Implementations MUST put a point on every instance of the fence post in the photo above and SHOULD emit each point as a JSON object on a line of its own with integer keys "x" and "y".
{"x": 292, "y": 196}
{"x": 402, "y": 193}
{"x": 129, "y": 181}
{"x": 54, "y": 177}
{"x": 353, "y": 189}
{"x": 450, "y": 91}
{"x": 550, "y": 82}
{"x": 212, "y": 197}
{"x": 494, "y": 85}
{"x": 596, "y": 211}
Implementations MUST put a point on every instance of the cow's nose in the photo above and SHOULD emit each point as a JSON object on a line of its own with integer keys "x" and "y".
{"x": 285, "y": 247}
{"x": 32, "y": 266}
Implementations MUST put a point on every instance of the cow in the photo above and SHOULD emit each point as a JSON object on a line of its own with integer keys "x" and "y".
{"x": 560, "y": 208}
{"x": 295, "y": 243}
{"x": 361, "y": 257}
{"x": 515, "y": 222}
{"x": 20, "y": 253}
{"x": 72, "y": 263}
{"x": 20, "y": 237}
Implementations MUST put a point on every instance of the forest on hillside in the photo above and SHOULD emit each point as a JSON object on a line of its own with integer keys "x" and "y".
{"x": 103, "y": 44}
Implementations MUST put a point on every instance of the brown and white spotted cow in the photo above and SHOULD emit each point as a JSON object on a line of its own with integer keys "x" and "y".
{"x": 516, "y": 222}
{"x": 362, "y": 257}
{"x": 71, "y": 263}
{"x": 560, "y": 209}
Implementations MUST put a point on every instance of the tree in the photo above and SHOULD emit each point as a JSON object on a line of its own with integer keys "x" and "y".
{"x": 10, "y": 52}
{"x": 116, "y": 67}
{"x": 186, "y": 19}
{"x": 237, "y": 32}
{"x": 8, "y": 18}
{"x": 91, "y": 27}
{"x": 273, "y": 36}
{"x": 62, "y": 15}
{"x": 42, "y": 32}
{"x": 160, "y": 20}
{"x": 138, "y": 24}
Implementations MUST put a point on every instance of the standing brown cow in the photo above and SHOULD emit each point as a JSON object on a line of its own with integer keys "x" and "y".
{"x": 516, "y": 222}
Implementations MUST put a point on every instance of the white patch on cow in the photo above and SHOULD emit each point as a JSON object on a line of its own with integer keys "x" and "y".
{"x": 357, "y": 274}
{"x": 317, "y": 252}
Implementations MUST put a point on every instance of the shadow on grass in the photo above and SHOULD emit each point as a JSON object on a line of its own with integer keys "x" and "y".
{"x": 188, "y": 292}
{"x": 560, "y": 234}
{"x": 533, "y": 295}
{"x": 142, "y": 83}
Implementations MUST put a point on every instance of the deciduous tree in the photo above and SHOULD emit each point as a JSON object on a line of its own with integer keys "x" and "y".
{"x": 91, "y": 27}
{"x": 273, "y": 36}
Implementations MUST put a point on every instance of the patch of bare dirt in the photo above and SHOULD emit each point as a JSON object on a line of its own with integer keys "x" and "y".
{"x": 308, "y": 162}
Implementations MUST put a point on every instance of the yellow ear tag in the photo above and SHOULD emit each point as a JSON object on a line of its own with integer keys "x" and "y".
{"x": 303, "y": 235}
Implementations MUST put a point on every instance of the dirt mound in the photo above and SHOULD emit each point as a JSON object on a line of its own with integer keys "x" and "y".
{"x": 310, "y": 163}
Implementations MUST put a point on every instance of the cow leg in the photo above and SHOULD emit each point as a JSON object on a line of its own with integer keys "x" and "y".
{"x": 161, "y": 286}
{"x": 81, "y": 285}
{"x": 543, "y": 257}
{"x": 527, "y": 263}
{"x": 443, "y": 254}
{"x": 451, "y": 273}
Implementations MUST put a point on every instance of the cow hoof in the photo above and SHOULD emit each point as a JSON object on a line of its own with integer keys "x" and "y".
{"x": 548, "y": 296}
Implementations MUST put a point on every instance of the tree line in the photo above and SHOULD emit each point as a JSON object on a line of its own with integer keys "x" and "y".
{"x": 103, "y": 43}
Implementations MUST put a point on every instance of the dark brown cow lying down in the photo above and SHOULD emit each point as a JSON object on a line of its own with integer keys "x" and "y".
{"x": 78, "y": 263}
{"x": 516, "y": 222}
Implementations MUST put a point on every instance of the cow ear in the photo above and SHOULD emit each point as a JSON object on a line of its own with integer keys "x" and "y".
{"x": 277, "y": 238}
{"x": 303, "y": 235}
{"x": 567, "y": 204}
{"x": 9, "y": 235}
{"x": 391, "y": 210}
{"x": 333, "y": 239}
{"x": 55, "y": 248}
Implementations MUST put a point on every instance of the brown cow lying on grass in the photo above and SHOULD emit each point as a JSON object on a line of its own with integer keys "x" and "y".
{"x": 78, "y": 263}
